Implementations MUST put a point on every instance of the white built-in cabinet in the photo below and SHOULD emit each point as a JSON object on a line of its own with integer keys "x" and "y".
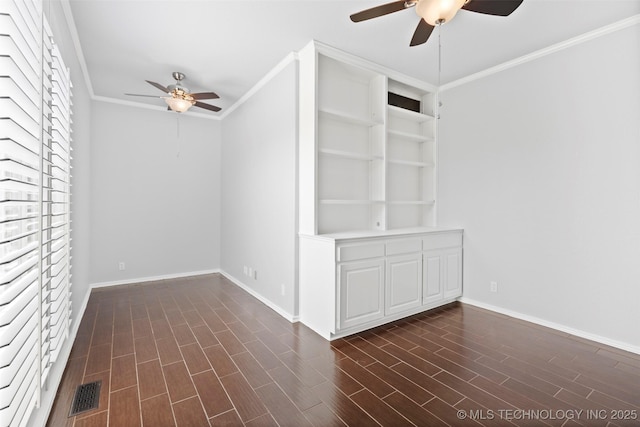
{"x": 350, "y": 282}
{"x": 367, "y": 170}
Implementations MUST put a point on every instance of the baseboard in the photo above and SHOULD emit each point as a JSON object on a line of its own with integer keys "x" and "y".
{"x": 40, "y": 416}
{"x": 153, "y": 278}
{"x": 291, "y": 318}
{"x": 557, "y": 326}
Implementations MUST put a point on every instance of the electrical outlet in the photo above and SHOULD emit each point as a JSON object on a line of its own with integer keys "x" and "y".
{"x": 121, "y": 266}
{"x": 255, "y": 274}
{"x": 250, "y": 272}
{"x": 282, "y": 290}
{"x": 246, "y": 270}
{"x": 493, "y": 286}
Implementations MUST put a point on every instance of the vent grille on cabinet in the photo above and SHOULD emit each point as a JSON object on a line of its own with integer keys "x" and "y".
{"x": 403, "y": 102}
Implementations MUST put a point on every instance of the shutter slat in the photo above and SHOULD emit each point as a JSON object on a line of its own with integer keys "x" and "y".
{"x": 55, "y": 220}
{"x": 35, "y": 146}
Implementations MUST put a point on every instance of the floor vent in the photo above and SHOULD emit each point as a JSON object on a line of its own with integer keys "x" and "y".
{"x": 87, "y": 397}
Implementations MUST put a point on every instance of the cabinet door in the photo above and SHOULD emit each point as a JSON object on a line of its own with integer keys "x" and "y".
{"x": 453, "y": 273}
{"x": 442, "y": 277}
{"x": 433, "y": 277}
{"x": 361, "y": 292}
{"x": 404, "y": 283}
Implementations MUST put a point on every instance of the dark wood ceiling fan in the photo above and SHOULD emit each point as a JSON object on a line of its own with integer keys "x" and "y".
{"x": 437, "y": 12}
{"x": 178, "y": 97}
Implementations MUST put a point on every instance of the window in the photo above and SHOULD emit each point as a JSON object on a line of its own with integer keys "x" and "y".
{"x": 35, "y": 136}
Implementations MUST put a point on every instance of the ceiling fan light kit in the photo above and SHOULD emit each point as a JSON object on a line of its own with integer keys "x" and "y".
{"x": 437, "y": 12}
{"x": 177, "y": 104}
{"x": 434, "y": 13}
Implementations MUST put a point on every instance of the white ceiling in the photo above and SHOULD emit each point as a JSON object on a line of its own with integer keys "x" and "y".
{"x": 228, "y": 46}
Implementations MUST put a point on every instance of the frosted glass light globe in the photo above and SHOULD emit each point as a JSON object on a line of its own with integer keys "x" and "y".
{"x": 437, "y": 12}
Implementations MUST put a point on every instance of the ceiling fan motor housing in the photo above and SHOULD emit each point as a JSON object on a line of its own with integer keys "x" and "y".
{"x": 178, "y": 77}
{"x": 176, "y": 88}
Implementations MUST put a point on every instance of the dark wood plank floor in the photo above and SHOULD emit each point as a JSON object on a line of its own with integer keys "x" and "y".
{"x": 200, "y": 351}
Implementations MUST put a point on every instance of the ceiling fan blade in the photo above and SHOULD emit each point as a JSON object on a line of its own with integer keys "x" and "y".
{"x": 158, "y": 85}
{"x": 493, "y": 7}
{"x": 207, "y": 106}
{"x": 204, "y": 95}
{"x": 381, "y": 10}
{"x": 148, "y": 96}
{"x": 422, "y": 33}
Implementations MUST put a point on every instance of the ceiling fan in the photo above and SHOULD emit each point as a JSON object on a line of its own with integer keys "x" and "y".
{"x": 436, "y": 12}
{"x": 178, "y": 98}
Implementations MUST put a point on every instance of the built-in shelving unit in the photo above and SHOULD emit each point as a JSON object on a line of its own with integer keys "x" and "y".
{"x": 411, "y": 159}
{"x": 350, "y": 151}
{"x": 365, "y": 165}
{"x": 370, "y": 251}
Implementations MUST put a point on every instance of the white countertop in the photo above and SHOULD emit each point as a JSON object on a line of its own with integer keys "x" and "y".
{"x": 365, "y": 234}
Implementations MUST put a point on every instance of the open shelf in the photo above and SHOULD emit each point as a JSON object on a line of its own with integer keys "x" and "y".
{"x": 347, "y": 154}
{"x": 409, "y": 215}
{"x": 408, "y": 114}
{"x": 349, "y": 91}
{"x": 411, "y": 202}
{"x": 410, "y": 163}
{"x": 348, "y": 202}
{"x": 345, "y": 116}
{"x": 417, "y": 137}
{"x": 365, "y": 164}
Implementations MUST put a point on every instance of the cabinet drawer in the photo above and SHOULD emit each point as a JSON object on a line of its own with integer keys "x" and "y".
{"x": 404, "y": 246}
{"x": 442, "y": 240}
{"x": 353, "y": 252}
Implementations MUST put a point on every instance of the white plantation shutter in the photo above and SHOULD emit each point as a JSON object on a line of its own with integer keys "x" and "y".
{"x": 56, "y": 292}
{"x": 20, "y": 99}
{"x": 34, "y": 208}
{"x": 45, "y": 206}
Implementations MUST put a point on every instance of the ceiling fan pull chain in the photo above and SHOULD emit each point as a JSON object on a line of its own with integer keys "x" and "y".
{"x": 439, "y": 70}
{"x": 439, "y": 53}
{"x": 177, "y": 135}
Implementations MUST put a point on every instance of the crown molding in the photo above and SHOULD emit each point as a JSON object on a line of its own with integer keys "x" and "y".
{"x": 291, "y": 57}
{"x": 152, "y": 107}
{"x": 66, "y": 7}
{"x": 73, "y": 31}
{"x": 602, "y": 31}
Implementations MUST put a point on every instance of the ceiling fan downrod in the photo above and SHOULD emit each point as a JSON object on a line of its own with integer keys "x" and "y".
{"x": 178, "y": 76}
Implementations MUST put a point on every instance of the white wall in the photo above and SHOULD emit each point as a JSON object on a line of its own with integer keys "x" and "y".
{"x": 155, "y": 193}
{"x": 541, "y": 165}
{"x": 259, "y": 191}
